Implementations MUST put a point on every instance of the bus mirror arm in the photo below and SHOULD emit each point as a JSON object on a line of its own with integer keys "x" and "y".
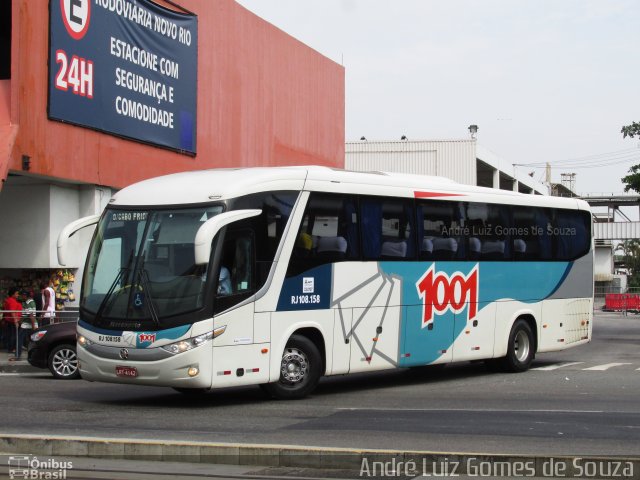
{"x": 209, "y": 229}
{"x": 69, "y": 230}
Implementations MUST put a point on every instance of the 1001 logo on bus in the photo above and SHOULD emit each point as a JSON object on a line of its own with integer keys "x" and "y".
{"x": 441, "y": 293}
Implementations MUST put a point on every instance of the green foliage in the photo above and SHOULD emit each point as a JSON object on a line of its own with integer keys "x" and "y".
{"x": 630, "y": 250}
{"x": 632, "y": 181}
{"x": 631, "y": 130}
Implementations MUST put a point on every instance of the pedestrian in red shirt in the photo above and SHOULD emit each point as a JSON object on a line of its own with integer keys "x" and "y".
{"x": 11, "y": 320}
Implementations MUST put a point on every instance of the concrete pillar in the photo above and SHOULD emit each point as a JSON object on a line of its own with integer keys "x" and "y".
{"x": 496, "y": 178}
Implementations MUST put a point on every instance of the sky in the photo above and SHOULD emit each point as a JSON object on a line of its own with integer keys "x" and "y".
{"x": 545, "y": 80}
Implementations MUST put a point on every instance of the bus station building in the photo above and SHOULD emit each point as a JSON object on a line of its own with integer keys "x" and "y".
{"x": 257, "y": 97}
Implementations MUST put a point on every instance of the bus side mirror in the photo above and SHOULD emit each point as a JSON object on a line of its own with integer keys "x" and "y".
{"x": 68, "y": 231}
{"x": 211, "y": 227}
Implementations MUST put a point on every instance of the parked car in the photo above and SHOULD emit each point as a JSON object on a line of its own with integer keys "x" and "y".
{"x": 54, "y": 347}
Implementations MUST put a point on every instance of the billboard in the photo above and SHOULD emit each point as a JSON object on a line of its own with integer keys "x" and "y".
{"x": 125, "y": 67}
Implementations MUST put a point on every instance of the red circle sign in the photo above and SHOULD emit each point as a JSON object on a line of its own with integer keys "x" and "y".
{"x": 75, "y": 16}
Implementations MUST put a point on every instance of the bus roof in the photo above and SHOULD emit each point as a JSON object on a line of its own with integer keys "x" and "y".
{"x": 205, "y": 186}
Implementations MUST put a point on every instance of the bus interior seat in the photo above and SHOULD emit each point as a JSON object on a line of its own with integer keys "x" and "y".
{"x": 331, "y": 248}
{"x": 475, "y": 246}
{"x": 444, "y": 248}
{"x": 519, "y": 249}
{"x": 392, "y": 249}
{"x": 426, "y": 250}
{"x": 492, "y": 249}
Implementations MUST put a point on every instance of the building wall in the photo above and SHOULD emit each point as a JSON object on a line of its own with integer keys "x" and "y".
{"x": 264, "y": 98}
{"x": 463, "y": 161}
{"x": 455, "y": 159}
{"x": 603, "y": 263}
{"x": 32, "y": 214}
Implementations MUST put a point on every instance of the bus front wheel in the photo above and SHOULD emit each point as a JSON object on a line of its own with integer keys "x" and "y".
{"x": 299, "y": 370}
{"x": 521, "y": 348}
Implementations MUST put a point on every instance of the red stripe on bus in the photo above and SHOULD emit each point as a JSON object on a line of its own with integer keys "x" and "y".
{"x": 436, "y": 194}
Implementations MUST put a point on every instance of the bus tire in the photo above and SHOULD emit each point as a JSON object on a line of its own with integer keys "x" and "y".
{"x": 520, "y": 349}
{"x": 300, "y": 369}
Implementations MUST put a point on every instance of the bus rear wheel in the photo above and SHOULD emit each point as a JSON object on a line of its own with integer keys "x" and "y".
{"x": 299, "y": 370}
{"x": 521, "y": 348}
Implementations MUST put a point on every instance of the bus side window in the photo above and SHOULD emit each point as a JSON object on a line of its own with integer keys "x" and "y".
{"x": 235, "y": 279}
{"x": 268, "y": 228}
{"x": 570, "y": 234}
{"x": 328, "y": 233}
{"x": 439, "y": 230}
{"x": 387, "y": 229}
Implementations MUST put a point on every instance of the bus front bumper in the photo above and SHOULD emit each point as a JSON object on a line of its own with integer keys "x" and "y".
{"x": 190, "y": 369}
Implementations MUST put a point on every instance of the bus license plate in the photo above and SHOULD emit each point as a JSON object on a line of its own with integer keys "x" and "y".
{"x": 126, "y": 371}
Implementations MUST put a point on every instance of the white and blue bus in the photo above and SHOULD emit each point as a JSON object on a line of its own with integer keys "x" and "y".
{"x": 279, "y": 276}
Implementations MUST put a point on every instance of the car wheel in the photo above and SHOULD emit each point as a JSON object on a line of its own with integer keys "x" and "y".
{"x": 300, "y": 369}
{"x": 63, "y": 362}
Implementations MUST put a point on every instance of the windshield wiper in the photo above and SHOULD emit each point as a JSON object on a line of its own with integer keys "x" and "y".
{"x": 144, "y": 278}
{"x": 107, "y": 296}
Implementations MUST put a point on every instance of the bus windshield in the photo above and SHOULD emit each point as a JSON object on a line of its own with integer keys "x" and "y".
{"x": 141, "y": 265}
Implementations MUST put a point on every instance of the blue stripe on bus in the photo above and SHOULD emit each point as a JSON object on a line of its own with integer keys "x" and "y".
{"x": 101, "y": 331}
{"x": 526, "y": 282}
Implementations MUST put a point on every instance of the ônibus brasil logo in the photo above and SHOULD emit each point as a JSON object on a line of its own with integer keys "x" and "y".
{"x": 440, "y": 292}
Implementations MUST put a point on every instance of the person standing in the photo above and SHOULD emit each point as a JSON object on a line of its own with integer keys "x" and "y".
{"x": 48, "y": 303}
{"x": 37, "y": 297}
{"x": 11, "y": 320}
{"x": 29, "y": 323}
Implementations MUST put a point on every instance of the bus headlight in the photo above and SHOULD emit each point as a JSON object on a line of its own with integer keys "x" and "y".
{"x": 83, "y": 341}
{"x": 191, "y": 343}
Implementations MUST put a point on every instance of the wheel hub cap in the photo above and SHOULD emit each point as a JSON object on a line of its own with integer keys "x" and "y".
{"x": 521, "y": 346}
{"x": 294, "y": 365}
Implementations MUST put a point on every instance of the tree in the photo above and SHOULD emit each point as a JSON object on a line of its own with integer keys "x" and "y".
{"x": 631, "y": 130}
{"x": 630, "y": 250}
{"x": 632, "y": 181}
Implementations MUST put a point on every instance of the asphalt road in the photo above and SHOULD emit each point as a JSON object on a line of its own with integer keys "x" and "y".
{"x": 583, "y": 401}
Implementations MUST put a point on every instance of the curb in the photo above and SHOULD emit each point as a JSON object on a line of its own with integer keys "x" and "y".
{"x": 363, "y": 460}
{"x": 20, "y": 366}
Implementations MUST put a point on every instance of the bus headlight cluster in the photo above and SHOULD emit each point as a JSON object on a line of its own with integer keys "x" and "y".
{"x": 191, "y": 343}
{"x": 84, "y": 341}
